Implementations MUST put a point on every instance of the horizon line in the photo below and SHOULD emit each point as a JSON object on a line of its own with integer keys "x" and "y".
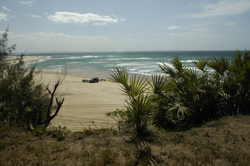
{"x": 59, "y": 52}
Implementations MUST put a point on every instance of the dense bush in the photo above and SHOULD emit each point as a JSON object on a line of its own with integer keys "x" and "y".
{"x": 24, "y": 101}
{"x": 188, "y": 97}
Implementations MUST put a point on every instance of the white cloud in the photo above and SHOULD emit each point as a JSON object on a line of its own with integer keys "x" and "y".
{"x": 35, "y": 16}
{"x": 173, "y": 27}
{"x": 222, "y": 8}
{"x": 3, "y": 16}
{"x": 89, "y": 18}
{"x": 30, "y": 3}
{"x": 5, "y": 8}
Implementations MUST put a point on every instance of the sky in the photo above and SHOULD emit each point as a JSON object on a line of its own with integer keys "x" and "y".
{"x": 126, "y": 25}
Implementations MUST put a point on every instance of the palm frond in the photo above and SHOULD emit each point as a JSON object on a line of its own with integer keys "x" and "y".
{"x": 160, "y": 84}
{"x": 134, "y": 87}
{"x": 168, "y": 70}
{"x": 138, "y": 85}
{"x": 201, "y": 63}
{"x": 220, "y": 64}
{"x": 179, "y": 111}
{"x": 138, "y": 112}
{"x": 178, "y": 65}
{"x": 119, "y": 75}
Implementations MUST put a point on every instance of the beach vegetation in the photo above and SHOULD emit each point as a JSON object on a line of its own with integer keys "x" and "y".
{"x": 137, "y": 113}
{"x": 200, "y": 95}
{"x": 186, "y": 97}
{"x": 131, "y": 86}
{"x": 119, "y": 115}
{"x": 24, "y": 100}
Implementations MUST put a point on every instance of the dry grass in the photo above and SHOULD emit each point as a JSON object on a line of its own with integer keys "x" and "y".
{"x": 222, "y": 142}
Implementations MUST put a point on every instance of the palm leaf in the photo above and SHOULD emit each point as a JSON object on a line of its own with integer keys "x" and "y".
{"x": 201, "y": 63}
{"x": 168, "y": 70}
{"x": 178, "y": 65}
{"x": 120, "y": 76}
{"x": 220, "y": 65}
{"x": 134, "y": 87}
{"x": 160, "y": 84}
{"x": 139, "y": 109}
{"x": 179, "y": 111}
{"x": 138, "y": 85}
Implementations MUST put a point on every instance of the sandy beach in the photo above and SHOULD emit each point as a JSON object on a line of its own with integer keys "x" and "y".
{"x": 84, "y": 103}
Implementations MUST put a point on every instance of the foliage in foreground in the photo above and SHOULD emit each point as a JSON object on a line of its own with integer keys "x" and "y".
{"x": 24, "y": 101}
{"x": 187, "y": 97}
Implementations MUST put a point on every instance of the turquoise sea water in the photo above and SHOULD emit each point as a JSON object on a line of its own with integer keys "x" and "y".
{"x": 100, "y": 64}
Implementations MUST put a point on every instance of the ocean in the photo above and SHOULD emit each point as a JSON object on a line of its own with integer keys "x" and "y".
{"x": 100, "y": 64}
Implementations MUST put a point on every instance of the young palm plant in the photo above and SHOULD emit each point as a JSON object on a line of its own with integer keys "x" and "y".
{"x": 226, "y": 84}
{"x": 176, "y": 110}
{"x": 159, "y": 86}
{"x": 192, "y": 100}
{"x": 220, "y": 66}
{"x": 138, "y": 112}
{"x": 138, "y": 102}
{"x": 237, "y": 86}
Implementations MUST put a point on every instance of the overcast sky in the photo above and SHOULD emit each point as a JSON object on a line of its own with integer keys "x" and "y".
{"x": 126, "y": 25}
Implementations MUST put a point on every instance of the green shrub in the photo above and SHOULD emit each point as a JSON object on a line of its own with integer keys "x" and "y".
{"x": 24, "y": 101}
{"x": 40, "y": 131}
{"x": 57, "y": 132}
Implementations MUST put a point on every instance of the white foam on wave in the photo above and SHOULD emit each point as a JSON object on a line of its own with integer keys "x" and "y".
{"x": 110, "y": 56}
{"x": 74, "y": 62}
{"x": 120, "y": 59}
{"x": 77, "y": 57}
{"x": 96, "y": 62}
{"x": 114, "y": 59}
{"x": 129, "y": 64}
{"x": 189, "y": 61}
{"x": 42, "y": 60}
{"x": 90, "y": 56}
{"x": 72, "y": 57}
{"x": 134, "y": 58}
